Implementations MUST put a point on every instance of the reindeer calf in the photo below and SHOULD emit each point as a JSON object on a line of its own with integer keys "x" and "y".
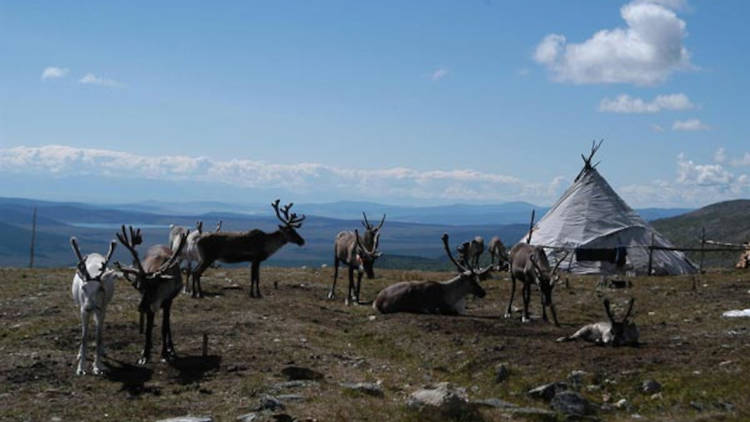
{"x": 91, "y": 295}
{"x": 623, "y": 333}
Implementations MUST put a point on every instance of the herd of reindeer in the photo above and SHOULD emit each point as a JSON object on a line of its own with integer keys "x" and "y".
{"x": 158, "y": 278}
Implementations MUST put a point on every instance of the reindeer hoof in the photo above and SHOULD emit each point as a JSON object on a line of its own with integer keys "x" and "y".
{"x": 331, "y": 296}
{"x": 524, "y": 319}
{"x": 96, "y": 370}
{"x": 80, "y": 371}
{"x": 507, "y": 315}
{"x": 169, "y": 356}
{"x": 143, "y": 361}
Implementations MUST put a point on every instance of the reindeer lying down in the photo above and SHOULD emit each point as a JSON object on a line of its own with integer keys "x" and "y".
{"x": 613, "y": 333}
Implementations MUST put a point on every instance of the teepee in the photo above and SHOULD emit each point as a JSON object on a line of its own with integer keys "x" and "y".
{"x": 596, "y": 232}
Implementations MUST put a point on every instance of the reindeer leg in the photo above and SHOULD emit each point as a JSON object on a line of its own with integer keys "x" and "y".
{"x": 146, "y": 354}
{"x": 554, "y": 313}
{"x": 85, "y": 316}
{"x": 188, "y": 277}
{"x": 508, "y": 312}
{"x": 350, "y": 289}
{"x": 359, "y": 284}
{"x": 255, "y": 278}
{"x": 202, "y": 266}
{"x": 99, "y": 319}
{"x": 167, "y": 348}
{"x": 544, "y": 307}
{"x": 526, "y": 297}
{"x": 332, "y": 293}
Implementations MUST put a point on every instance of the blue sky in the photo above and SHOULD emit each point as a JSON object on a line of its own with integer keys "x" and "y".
{"x": 396, "y": 102}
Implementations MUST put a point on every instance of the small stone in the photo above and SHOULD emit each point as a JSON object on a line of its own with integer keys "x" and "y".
{"x": 368, "y": 388}
{"x": 372, "y": 317}
{"x": 621, "y": 404}
{"x": 293, "y": 373}
{"x": 657, "y": 396}
{"x": 494, "y": 402}
{"x": 575, "y": 378}
{"x": 247, "y": 417}
{"x": 270, "y": 403}
{"x": 188, "y": 419}
{"x": 290, "y": 397}
{"x": 571, "y": 403}
{"x": 443, "y": 398}
{"x": 501, "y": 373}
{"x": 650, "y": 387}
{"x": 547, "y": 391}
{"x": 697, "y": 405}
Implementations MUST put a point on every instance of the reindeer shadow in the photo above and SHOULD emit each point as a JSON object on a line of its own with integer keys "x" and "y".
{"x": 190, "y": 369}
{"x": 132, "y": 377}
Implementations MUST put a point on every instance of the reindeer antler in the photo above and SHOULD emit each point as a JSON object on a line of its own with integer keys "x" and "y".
{"x": 608, "y": 311}
{"x": 372, "y": 252}
{"x": 630, "y": 309}
{"x": 460, "y": 267}
{"x": 560, "y": 261}
{"x": 130, "y": 243}
{"x": 199, "y": 226}
{"x": 81, "y": 266}
{"x": 175, "y": 254}
{"x": 366, "y": 223}
{"x": 218, "y": 226}
{"x": 288, "y": 220}
{"x": 112, "y": 246}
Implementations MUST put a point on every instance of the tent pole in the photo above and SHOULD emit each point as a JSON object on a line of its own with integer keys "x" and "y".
{"x": 651, "y": 254}
{"x": 531, "y": 227}
{"x": 703, "y": 244}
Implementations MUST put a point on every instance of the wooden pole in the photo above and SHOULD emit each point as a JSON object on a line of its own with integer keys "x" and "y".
{"x": 33, "y": 239}
{"x": 703, "y": 245}
{"x": 651, "y": 254}
{"x": 531, "y": 226}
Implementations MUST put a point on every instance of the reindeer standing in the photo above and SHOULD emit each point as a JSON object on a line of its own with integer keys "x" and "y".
{"x": 190, "y": 251}
{"x": 254, "y": 246}
{"x": 470, "y": 252}
{"x": 92, "y": 294}
{"x": 612, "y": 333}
{"x": 498, "y": 253}
{"x": 357, "y": 254}
{"x": 159, "y": 281}
{"x": 530, "y": 265}
{"x": 432, "y": 297}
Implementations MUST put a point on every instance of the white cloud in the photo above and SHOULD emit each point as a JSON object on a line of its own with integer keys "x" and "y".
{"x": 645, "y": 52}
{"x": 690, "y": 125}
{"x": 53, "y": 72}
{"x": 657, "y": 128}
{"x": 91, "y": 79}
{"x": 387, "y": 183}
{"x": 626, "y": 104}
{"x": 744, "y": 161}
{"x": 439, "y": 74}
{"x": 720, "y": 156}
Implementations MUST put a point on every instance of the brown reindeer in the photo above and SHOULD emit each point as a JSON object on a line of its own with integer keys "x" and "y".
{"x": 254, "y": 246}
{"x": 530, "y": 265}
{"x": 470, "y": 252}
{"x": 432, "y": 297}
{"x": 357, "y": 254}
{"x": 498, "y": 254}
{"x": 159, "y": 281}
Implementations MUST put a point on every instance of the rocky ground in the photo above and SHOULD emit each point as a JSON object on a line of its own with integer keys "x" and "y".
{"x": 293, "y": 355}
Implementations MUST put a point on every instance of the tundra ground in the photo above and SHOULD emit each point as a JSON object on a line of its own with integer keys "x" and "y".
{"x": 701, "y": 360}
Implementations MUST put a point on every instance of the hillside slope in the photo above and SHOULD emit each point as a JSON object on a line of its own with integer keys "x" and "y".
{"x": 727, "y": 221}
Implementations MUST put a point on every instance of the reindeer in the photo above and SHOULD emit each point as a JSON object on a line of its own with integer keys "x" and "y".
{"x": 159, "y": 281}
{"x": 612, "y": 333}
{"x": 498, "y": 254}
{"x": 349, "y": 249}
{"x": 92, "y": 295}
{"x": 190, "y": 251}
{"x": 470, "y": 252}
{"x": 530, "y": 265}
{"x": 432, "y": 297}
{"x": 254, "y": 246}
{"x": 356, "y": 254}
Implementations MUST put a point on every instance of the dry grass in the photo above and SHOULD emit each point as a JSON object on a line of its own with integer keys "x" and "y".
{"x": 701, "y": 359}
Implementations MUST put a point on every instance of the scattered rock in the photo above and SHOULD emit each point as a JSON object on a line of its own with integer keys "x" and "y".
{"x": 576, "y": 378}
{"x": 501, "y": 373}
{"x": 650, "y": 387}
{"x": 368, "y": 388}
{"x": 548, "y": 391}
{"x": 494, "y": 402}
{"x": 443, "y": 399}
{"x": 290, "y": 397}
{"x": 270, "y": 403}
{"x": 697, "y": 405}
{"x": 533, "y": 412}
{"x": 188, "y": 419}
{"x": 622, "y": 404}
{"x": 294, "y": 384}
{"x": 247, "y": 417}
{"x": 293, "y": 373}
{"x": 657, "y": 396}
{"x": 572, "y": 403}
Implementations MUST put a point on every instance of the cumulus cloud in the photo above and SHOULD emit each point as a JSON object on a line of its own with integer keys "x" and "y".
{"x": 645, "y": 52}
{"x": 743, "y": 161}
{"x": 720, "y": 155}
{"x": 695, "y": 184}
{"x": 690, "y": 125}
{"x": 53, "y": 72}
{"x": 439, "y": 74}
{"x": 387, "y": 183}
{"x": 91, "y": 79}
{"x": 626, "y": 104}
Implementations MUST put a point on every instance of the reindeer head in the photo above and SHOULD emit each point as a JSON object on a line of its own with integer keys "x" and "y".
{"x": 291, "y": 223}
{"x": 370, "y": 230}
{"x": 467, "y": 272}
{"x": 547, "y": 278}
{"x": 366, "y": 256}
{"x": 93, "y": 293}
{"x": 623, "y": 332}
{"x": 162, "y": 266}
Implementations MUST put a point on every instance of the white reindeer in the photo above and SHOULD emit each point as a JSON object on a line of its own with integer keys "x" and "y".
{"x": 612, "y": 333}
{"x": 189, "y": 252}
{"x": 92, "y": 294}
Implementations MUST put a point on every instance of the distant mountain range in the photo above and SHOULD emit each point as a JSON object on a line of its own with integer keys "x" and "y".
{"x": 410, "y": 237}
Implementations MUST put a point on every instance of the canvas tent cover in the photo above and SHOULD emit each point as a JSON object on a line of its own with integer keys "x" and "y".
{"x": 590, "y": 215}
